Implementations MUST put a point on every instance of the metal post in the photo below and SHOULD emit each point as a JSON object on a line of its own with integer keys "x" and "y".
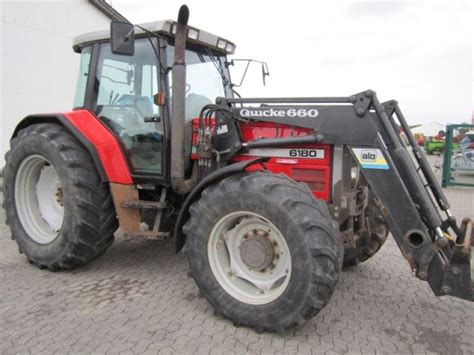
{"x": 448, "y": 147}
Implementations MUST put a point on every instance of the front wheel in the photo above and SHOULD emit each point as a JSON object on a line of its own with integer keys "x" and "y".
{"x": 263, "y": 251}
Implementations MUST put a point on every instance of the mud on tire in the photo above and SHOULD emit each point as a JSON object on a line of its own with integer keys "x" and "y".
{"x": 89, "y": 216}
{"x": 312, "y": 238}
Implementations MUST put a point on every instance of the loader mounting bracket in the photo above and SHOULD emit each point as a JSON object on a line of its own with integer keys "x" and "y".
{"x": 362, "y": 102}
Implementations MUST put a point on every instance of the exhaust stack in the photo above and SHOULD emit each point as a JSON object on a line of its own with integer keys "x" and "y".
{"x": 179, "y": 184}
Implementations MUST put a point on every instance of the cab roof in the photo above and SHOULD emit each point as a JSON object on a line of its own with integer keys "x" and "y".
{"x": 164, "y": 27}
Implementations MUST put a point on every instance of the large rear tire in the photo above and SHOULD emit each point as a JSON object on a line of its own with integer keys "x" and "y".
{"x": 263, "y": 251}
{"x": 59, "y": 211}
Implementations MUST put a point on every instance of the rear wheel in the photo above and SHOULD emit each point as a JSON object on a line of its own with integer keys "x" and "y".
{"x": 263, "y": 251}
{"x": 59, "y": 212}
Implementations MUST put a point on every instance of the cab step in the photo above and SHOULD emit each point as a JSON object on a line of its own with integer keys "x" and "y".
{"x": 148, "y": 235}
{"x": 142, "y": 204}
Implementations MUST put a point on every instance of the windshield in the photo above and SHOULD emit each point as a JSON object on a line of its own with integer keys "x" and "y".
{"x": 204, "y": 80}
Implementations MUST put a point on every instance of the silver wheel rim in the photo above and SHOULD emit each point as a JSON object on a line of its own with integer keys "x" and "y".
{"x": 39, "y": 199}
{"x": 249, "y": 257}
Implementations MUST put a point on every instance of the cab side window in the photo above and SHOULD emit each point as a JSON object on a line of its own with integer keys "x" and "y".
{"x": 82, "y": 77}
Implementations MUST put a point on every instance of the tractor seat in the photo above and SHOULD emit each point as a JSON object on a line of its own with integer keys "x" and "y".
{"x": 194, "y": 105}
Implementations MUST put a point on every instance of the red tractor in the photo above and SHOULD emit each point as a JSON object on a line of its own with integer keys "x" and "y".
{"x": 270, "y": 197}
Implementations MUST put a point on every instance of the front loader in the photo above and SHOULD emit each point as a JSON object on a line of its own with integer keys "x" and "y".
{"x": 269, "y": 197}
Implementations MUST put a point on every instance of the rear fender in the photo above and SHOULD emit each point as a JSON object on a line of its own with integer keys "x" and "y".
{"x": 214, "y": 177}
{"x": 95, "y": 137}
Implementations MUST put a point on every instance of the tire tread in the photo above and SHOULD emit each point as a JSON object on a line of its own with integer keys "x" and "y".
{"x": 300, "y": 202}
{"x": 95, "y": 218}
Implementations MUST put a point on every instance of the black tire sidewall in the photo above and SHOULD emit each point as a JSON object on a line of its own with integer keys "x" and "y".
{"x": 295, "y": 295}
{"x": 38, "y": 145}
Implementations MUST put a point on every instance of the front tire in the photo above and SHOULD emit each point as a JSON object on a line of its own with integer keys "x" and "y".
{"x": 263, "y": 251}
{"x": 59, "y": 211}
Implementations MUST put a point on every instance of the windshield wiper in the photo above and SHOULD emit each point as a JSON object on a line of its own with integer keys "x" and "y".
{"x": 217, "y": 66}
{"x": 164, "y": 69}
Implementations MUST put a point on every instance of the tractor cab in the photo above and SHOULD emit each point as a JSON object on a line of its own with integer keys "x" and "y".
{"x": 131, "y": 93}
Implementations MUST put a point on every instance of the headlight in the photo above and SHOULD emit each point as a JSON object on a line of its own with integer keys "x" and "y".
{"x": 230, "y": 48}
{"x": 355, "y": 176}
{"x": 193, "y": 34}
{"x": 221, "y": 44}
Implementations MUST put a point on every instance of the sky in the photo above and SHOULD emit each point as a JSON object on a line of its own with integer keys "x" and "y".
{"x": 418, "y": 52}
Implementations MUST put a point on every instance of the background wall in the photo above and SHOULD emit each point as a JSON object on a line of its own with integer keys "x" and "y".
{"x": 38, "y": 66}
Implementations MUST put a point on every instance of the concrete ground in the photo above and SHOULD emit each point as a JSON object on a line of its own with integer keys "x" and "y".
{"x": 137, "y": 298}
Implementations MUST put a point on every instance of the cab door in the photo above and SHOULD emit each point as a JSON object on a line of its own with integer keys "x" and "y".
{"x": 124, "y": 92}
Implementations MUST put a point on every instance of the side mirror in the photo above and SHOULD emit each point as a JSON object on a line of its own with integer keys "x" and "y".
{"x": 122, "y": 38}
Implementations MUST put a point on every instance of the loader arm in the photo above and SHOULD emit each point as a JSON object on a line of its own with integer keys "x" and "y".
{"x": 413, "y": 203}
